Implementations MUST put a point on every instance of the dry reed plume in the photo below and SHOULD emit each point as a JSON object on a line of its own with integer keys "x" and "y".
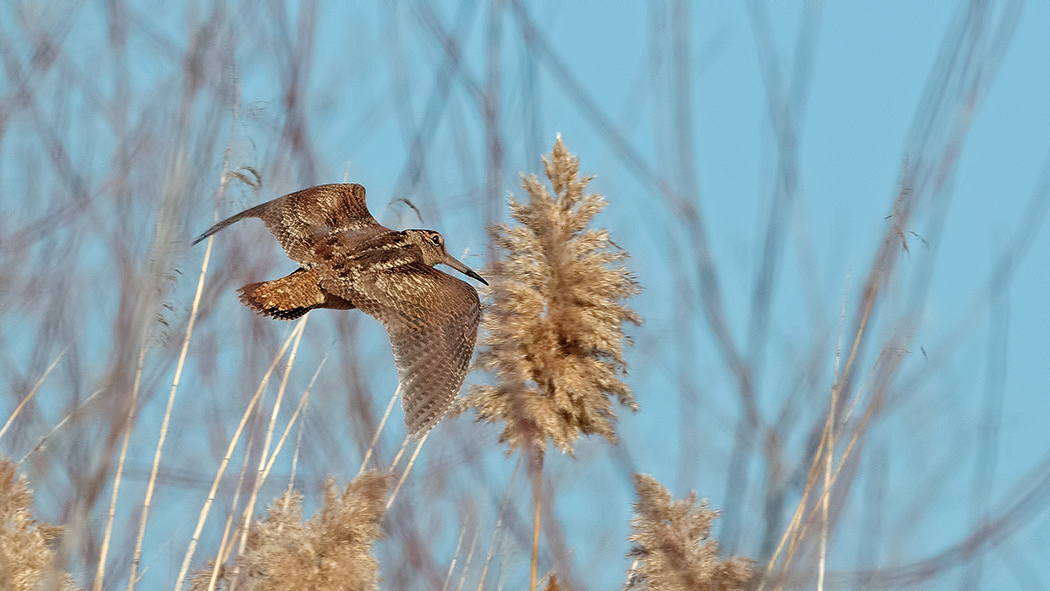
{"x": 554, "y": 322}
{"x": 124, "y": 127}
{"x": 673, "y": 545}
{"x": 26, "y": 554}
{"x": 330, "y": 552}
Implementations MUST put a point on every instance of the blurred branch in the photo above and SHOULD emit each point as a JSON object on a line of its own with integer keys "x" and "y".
{"x": 677, "y": 205}
{"x": 1029, "y": 497}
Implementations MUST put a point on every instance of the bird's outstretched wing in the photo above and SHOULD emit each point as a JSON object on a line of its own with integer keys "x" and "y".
{"x": 432, "y": 319}
{"x": 309, "y": 223}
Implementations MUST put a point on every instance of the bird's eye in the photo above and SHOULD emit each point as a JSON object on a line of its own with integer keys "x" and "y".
{"x": 436, "y": 239}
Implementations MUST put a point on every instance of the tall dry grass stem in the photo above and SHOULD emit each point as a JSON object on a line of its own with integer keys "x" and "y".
{"x": 194, "y": 308}
{"x": 137, "y": 554}
{"x": 260, "y": 477}
{"x": 32, "y": 392}
{"x": 455, "y": 557}
{"x": 797, "y": 528}
{"x": 499, "y": 523}
{"x": 304, "y": 400}
{"x": 379, "y": 431}
{"x": 470, "y": 557}
{"x": 554, "y": 324}
{"x": 400, "y": 453}
{"x": 225, "y": 547}
{"x": 58, "y": 426}
{"x": 203, "y": 517}
{"x": 536, "y": 475}
{"x": 829, "y": 434}
{"x": 295, "y": 463}
{"x": 408, "y": 468}
{"x": 791, "y": 530}
{"x": 870, "y": 294}
{"x": 107, "y": 536}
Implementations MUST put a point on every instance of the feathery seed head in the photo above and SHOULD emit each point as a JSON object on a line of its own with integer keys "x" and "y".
{"x": 330, "y": 552}
{"x": 26, "y": 554}
{"x": 673, "y": 546}
{"x": 554, "y": 322}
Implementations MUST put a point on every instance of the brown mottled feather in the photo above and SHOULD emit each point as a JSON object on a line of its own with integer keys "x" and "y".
{"x": 349, "y": 260}
{"x": 432, "y": 319}
{"x": 308, "y": 223}
{"x": 290, "y": 297}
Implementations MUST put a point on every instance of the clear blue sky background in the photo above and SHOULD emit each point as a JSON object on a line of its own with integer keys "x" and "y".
{"x": 373, "y": 67}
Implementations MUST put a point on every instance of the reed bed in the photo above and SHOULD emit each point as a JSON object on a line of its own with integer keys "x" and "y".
{"x": 157, "y": 435}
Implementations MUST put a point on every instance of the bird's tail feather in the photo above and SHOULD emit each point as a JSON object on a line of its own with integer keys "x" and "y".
{"x": 286, "y": 298}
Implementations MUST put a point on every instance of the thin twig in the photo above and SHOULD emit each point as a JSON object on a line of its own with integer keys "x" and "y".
{"x": 499, "y": 523}
{"x": 40, "y": 442}
{"x": 182, "y": 354}
{"x": 379, "y": 430}
{"x": 249, "y": 509}
{"x": 100, "y": 573}
{"x": 829, "y": 453}
{"x": 455, "y": 555}
{"x": 224, "y": 545}
{"x": 226, "y": 460}
{"x": 537, "y": 495}
{"x": 408, "y": 469}
{"x": 400, "y": 452}
{"x": 470, "y": 557}
{"x": 32, "y": 392}
{"x": 303, "y": 402}
{"x": 137, "y": 556}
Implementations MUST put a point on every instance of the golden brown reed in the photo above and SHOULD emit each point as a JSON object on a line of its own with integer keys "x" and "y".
{"x": 26, "y": 554}
{"x": 552, "y": 583}
{"x": 554, "y": 319}
{"x": 673, "y": 545}
{"x": 330, "y": 552}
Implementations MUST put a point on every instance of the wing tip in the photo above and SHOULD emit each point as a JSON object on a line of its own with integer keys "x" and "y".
{"x": 421, "y": 420}
{"x": 418, "y": 428}
{"x": 419, "y": 433}
{"x": 248, "y": 213}
{"x": 201, "y": 238}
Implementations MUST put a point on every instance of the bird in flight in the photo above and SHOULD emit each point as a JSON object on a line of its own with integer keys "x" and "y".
{"x": 348, "y": 260}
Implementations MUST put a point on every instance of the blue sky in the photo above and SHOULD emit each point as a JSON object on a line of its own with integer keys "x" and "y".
{"x": 373, "y": 71}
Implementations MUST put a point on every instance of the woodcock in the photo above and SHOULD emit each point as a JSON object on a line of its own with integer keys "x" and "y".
{"x": 348, "y": 260}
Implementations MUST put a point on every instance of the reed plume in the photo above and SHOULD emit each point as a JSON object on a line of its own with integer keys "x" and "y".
{"x": 673, "y": 545}
{"x": 330, "y": 552}
{"x": 554, "y": 322}
{"x": 26, "y": 554}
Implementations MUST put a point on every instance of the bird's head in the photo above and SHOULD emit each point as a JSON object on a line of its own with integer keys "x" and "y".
{"x": 433, "y": 246}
